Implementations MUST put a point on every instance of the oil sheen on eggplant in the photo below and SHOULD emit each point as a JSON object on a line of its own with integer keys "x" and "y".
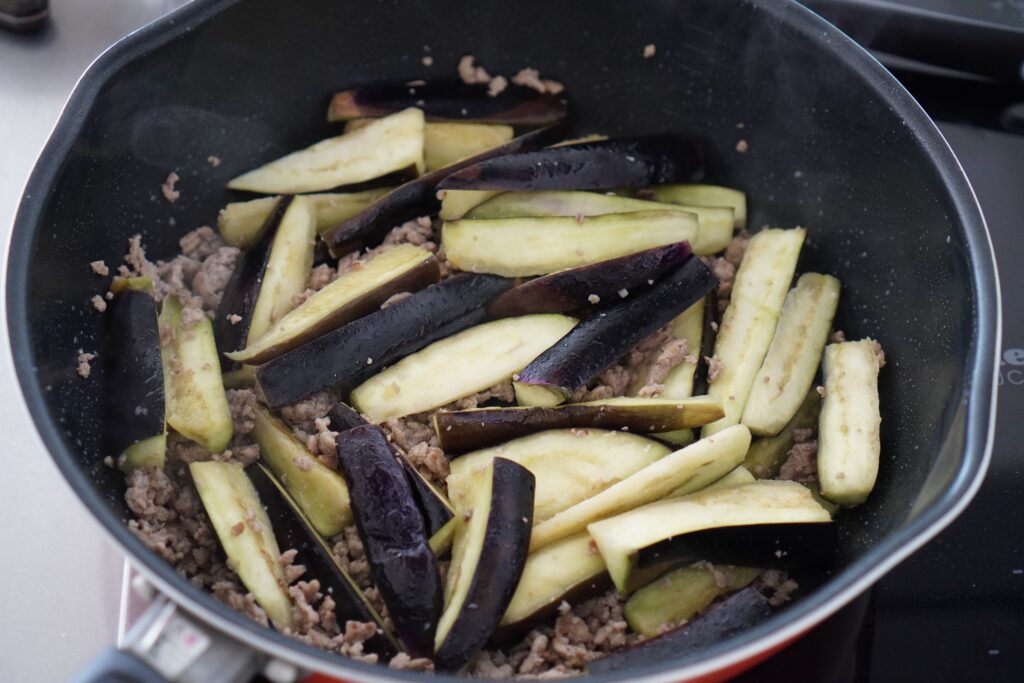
{"x": 393, "y": 534}
{"x": 351, "y": 354}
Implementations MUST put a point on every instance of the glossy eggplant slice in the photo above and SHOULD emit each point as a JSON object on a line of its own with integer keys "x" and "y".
{"x": 465, "y": 430}
{"x": 767, "y": 502}
{"x": 134, "y": 405}
{"x": 136, "y": 284}
{"x": 517, "y": 247}
{"x": 733, "y": 615}
{"x": 694, "y": 466}
{"x": 319, "y": 491}
{"x": 393, "y": 534}
{"x": 450, "y": 101}
{"x": 566, "y": 291}
{"x": 417, "y": 197}
{"x": 389, "y": 145}
{"x": 441, "y": 541}
{"x": 458, "y": 366}
{"x": 352, "y": 354}
{"x": 736, "y": 477}
{"x": 702, "y": 195}
{"x": 599, "y": 165}
{"x": 455, "y": 204}
{"x": 488, "y": 557}
{"x": 242, "y": 224}
{"x": 197, "y": 406}
{"x": 606, "y": 336}
{"x": 293, "y": 530}
{"x": 354, "y": 294}
{"x": 446, "y": 143}
{"x": 246, "y": 535}
{"x": 570, "y": 465}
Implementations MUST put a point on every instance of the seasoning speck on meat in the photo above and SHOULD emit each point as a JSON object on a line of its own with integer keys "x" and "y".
{"x": 100, "y": 268}
{"x": 84, "y": 368}
{"x": 168, "y": 190}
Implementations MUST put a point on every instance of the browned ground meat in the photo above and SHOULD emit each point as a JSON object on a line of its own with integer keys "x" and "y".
{"x": 171, "y": 194}
{"x": 213, "y": 275}
{"x": 879, "y": 353}
{"x": 100, "y": 268}
{"x": 415, "y": 439}
{"x": 84, "y": 368}
{"x": 802, "y": 460}
{"x": 322, "y": 444}
{"x": 777, "y": 585}
{"x": 303, "y": 414}
{"x": 715, "y": 367}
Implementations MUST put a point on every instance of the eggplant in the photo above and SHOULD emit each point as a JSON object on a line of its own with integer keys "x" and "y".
{"x": 319, "y": 491}
{"x": 136, "y": 284}
{"x": 570, "y": 290}
{"x": 354, "y": 294}
{"x": 415, "y": 198}
{"x": 702, "y": 195}
{"x": 457, "y": 203}
{"x": 770, "y": 502}
{"x": 294, "y": 531}
{"x": 848, "y": 429}
{"x": 352, "y": 354}
{"x": 738, "y": 476}
{"x": 749, "y": 322}
{"x": 389, "y": 145}
{"x": 461, "y": 365}
{"x": 599, "y": 165}
{"x": 446, "y": 143}
{"x": 135, "y": 404}
{"x": 441, "y": 540}
{"x": 197, "y": 405}
{"x": 789, "y": 367}
{"x": 465, "y": 430}
{"x": 733, "y": 615}
{"x": 242, "y": 224}
{"x": 488, "y": 557}
{"x": 606, "y": 336}
{"x": 246, "y": 535}
{"x": 392, "y": 531}
{"x": 516, "y": 247}
{"x": 450, "y": 100}
{"x": 570, "y": 465}
{"x": 694, "y": 466}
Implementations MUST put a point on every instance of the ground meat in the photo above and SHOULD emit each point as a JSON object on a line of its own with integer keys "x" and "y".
{"x": 237, "y": 598}
{"x": 419, "y": 232}
{"x": 742, "y": 146}
{"x": 200, "y": 243}
{"x": 348, "y": 550}
{"x": 671, "y": 354}
{"x": 644, "y": 369}
{"x": 837, "y": 337}
{"x": 213, "y": 276}
{"x": 725, "y": 271}
{"x": 879, "y": 353}
{"x": 802, "y": 460}
{"x": 171, "y": 194}
{"x": 100, "y": 268}
{"x": 502, "y": 392}
{"x": 405, "y": 662}
{"x": 323, "y": 443}
{"x": 530, "y": 78}
{"x": 470, "y": 73}
{"x": 303, "y": 414}
{"x": 777, "y": 585}
{"x": 84, "y": 368}
{"x": 497, "y": 86}
{"x": 99, "y": 303}
{"x": 213, "y": 160}
{"x": 416, "y": 441}
{"x": 737, "y": 248}
{"x": 715, "y": 367}
{"x": 242, "y": 403}
{"x": 321, "y": 276}
{"x": 649, "y": 50}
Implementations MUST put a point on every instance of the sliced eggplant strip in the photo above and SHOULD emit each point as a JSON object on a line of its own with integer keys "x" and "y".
{"x": 294, "y": 530}
{"x": 320, "y": 492}
{"x": 681, "y": 594}
{"x": 417, "y": 197}
{"x": 241, "y": 224}
{"x": 458, "y": 366}
{"x": 441, "y": 541}
{"x": 570, "y": 465}
{"x": 446, "y": 143}
{"x": 197, "y": 406}
{"x": 352, "y": 354}
{"x": 599, "y": 165}
{"x": 455, "y": 204}
{"x": 151, "y": 452}
{"x": 715, "y": 224}
{"x": 848, "y": 430}
{"x": 488, "y": 557}
{"x": 767, "y": 454}
{"x": 698, "y": 465}
{"x": 737, "y": 477}
{"x": 703, "y": 195}
{"x": 388, "y": 145}
{"x": 355, "y": 293}
{"x": 517, "y": 247}
{"x": 466, "y": 430}
{"x": 450, "y": 101}
{"x": 575, "y": 289}
{"x": 603, "y": 338}
{"x": 775, "y": 503}
{"x": 393, "y": 535}
{"x": 793, "y": 357}
{"x": 748, "y": 324}
{"x": 245, "y": 534}
{"x": 136, "y": 284}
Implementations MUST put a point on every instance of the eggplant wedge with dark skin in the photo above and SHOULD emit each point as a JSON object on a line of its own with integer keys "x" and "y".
{"x": 393, "y": 534}
{"x": 416, "y": 198}
{"x": 450, "y": 101}
{"x": 352, "y": 354}
{"x": 574, "y": 289}
{"x": 488, "y": 557}
{"x": 599, "y": 165}
{"x": 606, "y": 336}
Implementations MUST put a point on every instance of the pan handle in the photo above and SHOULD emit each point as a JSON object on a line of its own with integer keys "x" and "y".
{"x": 118, "y": 666}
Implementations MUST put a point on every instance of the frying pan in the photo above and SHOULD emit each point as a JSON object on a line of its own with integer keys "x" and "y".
{"x": 833, "y": 143}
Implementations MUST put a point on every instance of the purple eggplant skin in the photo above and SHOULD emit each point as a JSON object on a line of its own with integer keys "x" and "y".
{"x": 343, "y": 417}
{"x": 243, "y": 289}
{"x": 417, "y": 198}
{"x": 707, "y": 343}
{"x": 393, "y": 534}
{"x": 733, "y": 615}
{"x": 294, "y": 532}
{"x": 450, "y": 101}
{"x": 351, "y": 354}
{"x": 601, "y": 165}
{"x": 597, "y": 342}
{"x": 134, "y": 404}
{"x": 506, "y": 544}
{"x": 572, "y": 289}
{"x": 801, "y": 546}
